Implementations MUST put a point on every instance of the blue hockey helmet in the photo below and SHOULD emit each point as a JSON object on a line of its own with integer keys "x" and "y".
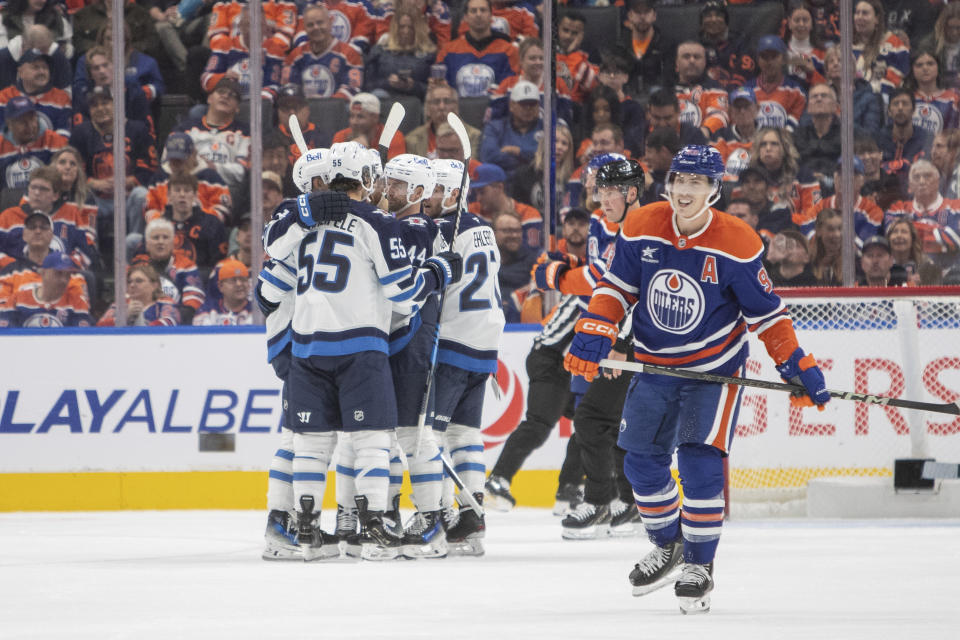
{"x": 699, "y": 159}
{"x": 604, "y": 158}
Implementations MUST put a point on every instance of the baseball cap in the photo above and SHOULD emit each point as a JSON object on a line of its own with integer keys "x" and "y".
{"x": 576, "y": 213}
{"x": 524, "y": 91}
{"x": 229, "y": 84}
{"x": 231, "y": 268}
{"x": 291, "y": 94}
{"x": 487, "y": 174}
{"x": 32, "y": 55}
{"x": 876, "y": 241}
{"x": 19, "y": 106}
{"x": 273, "y": 179}
{"x": 743, "y": 93}
{"x": 37, "y": 214}
{"x": 366, "y": 102}
{"x": 59, "y": 261}
{"x": 179, "y": 146}
{"x": 99, "y": 93}
{"x": 771, "y": 43}
{"x": 857, "y": 166}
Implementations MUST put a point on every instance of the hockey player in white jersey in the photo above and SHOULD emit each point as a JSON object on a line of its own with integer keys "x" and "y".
{"x": 471, "y": 322}
{"x": 352, "y": 270}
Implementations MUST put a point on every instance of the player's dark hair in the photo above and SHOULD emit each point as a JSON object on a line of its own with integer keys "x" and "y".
{"x": 903, "y": 91}
{"x": 344, "y": 184}
{"x": 49, "y": 173}
{"x": 664, "y": 138}
{"x": 663, "y": 98}
{"x": 576, "y": 16}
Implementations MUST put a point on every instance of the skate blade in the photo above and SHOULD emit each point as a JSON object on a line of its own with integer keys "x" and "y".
{"x": 378, "y": 554}
{"x": 319, "y": 554}
{"x": 670, "y": 578}
{"x": 428, "y": 551}
{"x": 693, "y": 606}
{"x": 350, "y": 551}
{"x": 276, "y": 554}
{"x": 592, "y": 533}
{"x": 469, "y": 547}
{"x": 624, "y": 531}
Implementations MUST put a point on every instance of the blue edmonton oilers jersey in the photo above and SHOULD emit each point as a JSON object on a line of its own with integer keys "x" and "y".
{"x": 421, "y": 239}
{"x": 601, "y": 246}
{"x": 695, "y": 296}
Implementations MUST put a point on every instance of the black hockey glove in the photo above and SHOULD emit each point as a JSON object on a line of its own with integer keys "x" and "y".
{"x": 266, "y": 307}
{"x": 448, "y": 267}
{"x": 322, "y": 207}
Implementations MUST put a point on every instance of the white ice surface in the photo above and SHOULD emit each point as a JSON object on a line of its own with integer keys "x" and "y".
{"x": 179, "y": 574}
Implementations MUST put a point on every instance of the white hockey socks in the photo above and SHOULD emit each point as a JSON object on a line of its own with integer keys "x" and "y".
{"x": 346, "y": 473}
{"x": 426, "y": 470}
{"x": 396, "y": 469}
{"x": 280, "y": 478}
{"x": 373, "y": 466}
{"x": 312, "y": 454}
{"x": 465, "y": 445}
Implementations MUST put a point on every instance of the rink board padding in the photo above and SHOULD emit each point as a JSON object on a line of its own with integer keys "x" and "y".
{"x": 112, "y": 419}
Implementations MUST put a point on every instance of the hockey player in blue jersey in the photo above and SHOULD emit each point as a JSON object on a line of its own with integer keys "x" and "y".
{"x": 471, "y": 322}
{"x": 695, "y": 281}
{"x": 352, "y": 271}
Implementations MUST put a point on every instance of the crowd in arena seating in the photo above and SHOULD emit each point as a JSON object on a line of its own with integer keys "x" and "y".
{"x": 766, "y": 98}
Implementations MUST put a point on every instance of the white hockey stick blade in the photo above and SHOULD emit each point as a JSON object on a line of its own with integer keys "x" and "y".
{"x": 394, "y": 118}
{"x": 457, "y": 124}
{"x": 297, "y": 133}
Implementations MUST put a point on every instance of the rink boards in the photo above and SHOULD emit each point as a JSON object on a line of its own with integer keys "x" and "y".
{"x": 188, "y": 418}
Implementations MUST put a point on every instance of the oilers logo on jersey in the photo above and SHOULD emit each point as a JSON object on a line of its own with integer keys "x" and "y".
{"x": 18, "y": 173}
{"x": 928, "y": 117}
{"x": 675, "y": 301}
{"x": 689, "y": 113}
{"x": 500, "y": 24}
{"x": 318, "y": 81}
{"x": 340, "y": 26}
{"x": 737, "y": 161}
{"x": 772, "y": 114}
{"x": 473, "y": 80}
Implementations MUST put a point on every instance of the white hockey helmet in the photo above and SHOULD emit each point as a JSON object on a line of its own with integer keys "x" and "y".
{"x": 352, "y": 161}
{"x": 449, "y": 174}
{"x": 415, "y": 171}
{"x": 315, "y": 163}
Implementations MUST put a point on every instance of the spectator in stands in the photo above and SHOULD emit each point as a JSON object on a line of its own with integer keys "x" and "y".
{"x": 233, "y": 306}
{"x": 740, "y": 208}
{"x": 945, "y": 155}
{"x": 866, "y": 149}
{"x": 73, "y": 187}
{"x": 513, "y": 19}
{"x": 435, "y": 12}
{"x": 728, "y": 57}
{"x": 511, "y": 141}
{"x": 198, "y": 234}
{"x": 527, "y": 184}
{"x": 614, "y": 74}
{"x": 491, "y": 200}
{"x": 33, "y": 81}
{"x": 26, "y": 143}
{"x": 937, "y": 108}
{"x": 482, "y": 58}
{"x": 642, "y": 43}
{"x": 605, "y": 138}
{"x": 356, "y": 25}
{"x": 180, "y": 156}
{"x": 37, "y": 237}
{"x": 877, "y": 265}
{"x": 167, "y": 21}
{"x": 907, "y": 250}
{"x": 55, "y": 300}
{"x": 140, "y": 69}
{"x": 805, "y": 49}
{"x": 222, "y": 142}
{"x": 243, "y": 253}
{"x": 323, "y": 66}
{"x": 826, "y": 19}
{"x": 272, "y": 193}
{"x": 179, "y": 277}
{"x": 867, "y": 216}
{"x": 573, "y": 63}
{"x": 365, "y": 126}
{"x": 441, "y": 99}
{"x": 531, "y": 70}
{"x": 781, "y": 98}
{"x": 900, "y": 141}
{"x": 662, "y": 145}
{"x": 291, "y": 101}
{"x": 702, "y": 101}
{"x": 601, "y": 108}
{"x": 867, "y": 105}
{"x": 817, "y": 137}
{"x": 755, "y": 187}
{"x": 917, "y": 19}
{"x": 575, "y": 231}
{"x": 276, "y": 159}
{"x": 945, "y": 43}
{"x": 882, "y": 58}
{"x": 90, "y": 21}
{"x": 787, "y": 260}
{"x": 401, "y": 65}
{"x": 19, "y": 15}
{"x": 792, "y": 186}
{"x": 663, "y": 110}
{"x": 230, "y": 55}
{"x": 516, "y": 261}
{"x": 91, "y": 140}
{"x": 937, "y": 219}
{"x": 826, "y": 249}
{"x": 100, "y": 74}
{"x": 43, "y": 196}
{"x": 37, "y": 37}
{"x": 735, "y": 141}
{"x": 147, "y": 306}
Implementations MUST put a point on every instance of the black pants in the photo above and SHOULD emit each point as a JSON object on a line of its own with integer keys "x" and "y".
{"x": 548, "y": 399}
{"x": 597, "y": 423}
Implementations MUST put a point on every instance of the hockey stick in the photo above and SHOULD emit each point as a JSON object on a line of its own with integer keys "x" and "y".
{"x": 951, "y": 408}
{"x": 394, "y": 118}
{"x": 457, "y": 125}
{"x": 297, "y": 134}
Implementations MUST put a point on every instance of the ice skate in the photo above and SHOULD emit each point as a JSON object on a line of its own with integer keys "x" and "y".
{"x": 376, "y": 542}
{"x": 425, "y": 536}
{"x": 693, "y": 588}
{"x": 586, "y": 522}
{"x": 391, "y": 518}
{"x": 348, "y": 531}
{"x": 465, "y": 538}
{"x": 497, "y": 493}
{"x": 568, "y": 497}
{"x": 315, "y": 543}
{"x": 281, "y": 538}
{"x": 624, "y": 519}
{"x": 657, "y": 569}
